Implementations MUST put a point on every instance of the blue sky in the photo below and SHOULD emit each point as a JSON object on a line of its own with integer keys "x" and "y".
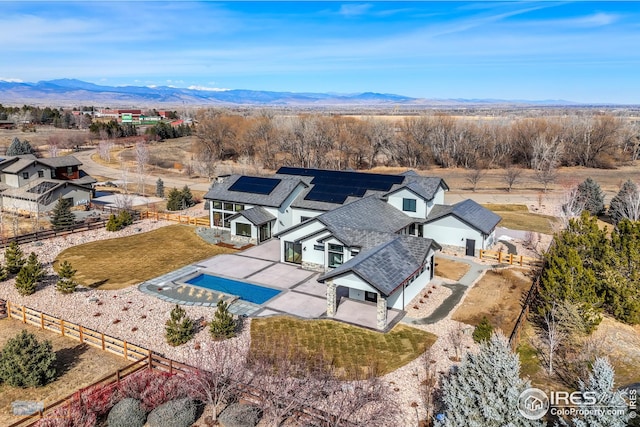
{"x": 578, "y": 51}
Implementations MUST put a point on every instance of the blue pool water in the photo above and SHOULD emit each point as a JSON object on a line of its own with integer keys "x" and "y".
{"x": 246, "y": 291}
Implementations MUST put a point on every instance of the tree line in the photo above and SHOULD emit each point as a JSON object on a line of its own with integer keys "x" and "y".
{"x": 338, "y": 142}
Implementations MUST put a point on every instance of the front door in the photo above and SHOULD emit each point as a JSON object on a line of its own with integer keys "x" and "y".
{"x": 370, "y": 296}
{"x": 471, "y": 248}
{"x": 265, "y": 232}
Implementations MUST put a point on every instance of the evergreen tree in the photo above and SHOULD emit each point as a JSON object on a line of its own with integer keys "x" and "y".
{"x": 113, "y": 223}
{"x": 483, "y": 331}
{"x": 591, "y": 197}
{"x": 29, "y": 275}
{"x": 66, "y": 283}
{"x": 483, "y": 391}
{"x": 612, "y": 409}
{"x": 625, "y": 204}
{"x": 174, "y": 200}
{"x": 223, "y": 324}
{"x": 14, "y": 258}
{"x": 179, "y": 328}
{"x": 186, "y": 198}
{"x": 3, "y": 273}
{"x": 62, "y": 218}
{"x": 160, "y": 188}
{"x": 17, "y": 147}
{"x": 26, "y": 362}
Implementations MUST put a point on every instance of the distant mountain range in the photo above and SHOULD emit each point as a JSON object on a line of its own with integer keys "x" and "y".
{"x": 71, "y": 92}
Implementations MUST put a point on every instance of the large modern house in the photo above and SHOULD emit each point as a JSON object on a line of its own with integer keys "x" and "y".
{"x": 373, "y": 234}
{"x": 34, "y": 184}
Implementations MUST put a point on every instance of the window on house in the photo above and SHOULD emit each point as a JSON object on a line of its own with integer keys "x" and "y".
{"x": 336, "y": 256}
{"x": 238, "y": 207}
{"x": 304, "y": 218}
{"x": 217, "y": 204}
{"x": 409, "y": 205}
{"x": 40, "y": 174}
{"x": 69, "y": 170}
{"x": 25, "y": 175}
{"x": 318, "y": 248}
{"x": 243, "y": 229}
{"x": 228, "y": 207}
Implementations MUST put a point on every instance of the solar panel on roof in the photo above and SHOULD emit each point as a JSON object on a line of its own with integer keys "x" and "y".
{"x": 254, "y": 184}
{"x": 42, "y": 188}
{"x": 335, "y": 186}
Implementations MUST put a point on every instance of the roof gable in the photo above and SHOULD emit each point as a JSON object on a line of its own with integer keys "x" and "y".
{"x": 469, "y": 212}
{"x": 256, "y": 216}
{"x": 387, "y": 266}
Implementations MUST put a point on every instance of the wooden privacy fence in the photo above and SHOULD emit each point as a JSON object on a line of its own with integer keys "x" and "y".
{"x": 181, "y": 219}
{"x": 80, "y": 333}
{"x": 514, "y": 338}
{"x": 501, "y": 257}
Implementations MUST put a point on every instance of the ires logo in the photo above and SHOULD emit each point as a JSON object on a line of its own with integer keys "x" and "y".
{"x": 576, "y": 398}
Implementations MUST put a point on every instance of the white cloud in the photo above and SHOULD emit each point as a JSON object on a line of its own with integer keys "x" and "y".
{"x": 11, "y": 80}
{"x": 205, "y": 88}
{"x": 354, "y": 9}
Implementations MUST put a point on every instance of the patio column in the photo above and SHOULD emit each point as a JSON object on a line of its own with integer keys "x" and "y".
{"x": 331, "y": 298}
{"x": 381, "y": 311}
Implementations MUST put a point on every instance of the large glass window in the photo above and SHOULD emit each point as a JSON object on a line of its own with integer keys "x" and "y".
{"x": 243, "y": 229}
{"x": 409, "y": 205}
{"x": 293, "y": 252}
{"x": 336, "y": 255}
{"x": 222, "y": 211}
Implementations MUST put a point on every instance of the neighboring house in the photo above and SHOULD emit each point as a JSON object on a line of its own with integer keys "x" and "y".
{"x": 374, "y": 235}
{"x": 33, "y": 184}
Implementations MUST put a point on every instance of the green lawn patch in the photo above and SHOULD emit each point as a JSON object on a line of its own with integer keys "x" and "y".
{"x": 125, "y": 261}
{"x": 354, "y": 351}
{"x": 518, "y": 217}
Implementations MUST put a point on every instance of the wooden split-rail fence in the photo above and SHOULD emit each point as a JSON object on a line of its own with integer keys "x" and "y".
{"x": 181, "y": 219}
{"x": 511, "y": 259}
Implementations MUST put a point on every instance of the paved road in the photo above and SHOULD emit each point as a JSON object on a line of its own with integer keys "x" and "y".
{"x": 93, "y": 168}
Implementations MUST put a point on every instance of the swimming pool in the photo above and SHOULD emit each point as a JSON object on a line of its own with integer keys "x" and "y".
{"x": 246, "y": 291}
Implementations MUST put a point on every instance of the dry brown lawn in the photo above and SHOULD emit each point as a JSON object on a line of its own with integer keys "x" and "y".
{"x": 450, "y": 269}
{"x": 125, "y": 261}
{"x": 79, "y": 364}
{"x": 497, "y": 295}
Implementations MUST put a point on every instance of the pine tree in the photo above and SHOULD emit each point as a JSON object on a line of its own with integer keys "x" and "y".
{"x": 66, "y": 283}
{"x": 483, "y": 391}
{"x": 14, "y": 258}
{"x": 18, "y": 148}
{"x": 26, "y": 362}
{"x": 186, "y": 198}
{"x": 223, "y": 324}
{"x": 160, "y": 188}
{"x": 625, "y": 204}
{"x": 3, "y": 273}
{"x": 591, "y": 197}
{"x": 179, "y": 328}
{"x": 62, "y": 218}
{"x": 174, "y": 200}
{"x": 29, "y": 275}
{"x": 612, "y": 409}
{"x": 483, "y": 331}
{"x": 113, "y": 224}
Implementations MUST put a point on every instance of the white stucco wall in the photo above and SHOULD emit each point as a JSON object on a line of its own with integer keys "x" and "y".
{"x": 451, "y": 231}
{"x": 243, "y": 220}
{"x": 353, "y": 282}
{"x": 412, "y": 289}
{"x": 396, "y": 199}
{"x": 299, "y": 213}
{"x": 309, "y": 254}
{"x": 285, "y": 213}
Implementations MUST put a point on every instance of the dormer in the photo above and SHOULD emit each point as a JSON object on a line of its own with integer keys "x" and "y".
{"x": 417, "y": 197}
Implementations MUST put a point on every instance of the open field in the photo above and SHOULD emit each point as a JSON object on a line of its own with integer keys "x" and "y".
{"x": 450, "y": 269}
{"x": 353, "y": 350}
{"x": 498, "y": 295}
{"x": 118, "y": 263}
{"x": 518, "y": 217}
{"x": 79, "y": 365}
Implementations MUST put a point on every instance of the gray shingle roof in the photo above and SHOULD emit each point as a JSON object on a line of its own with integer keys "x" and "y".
{"x": 19, "y": 165}
{"x": 424, "y": 186}
{"x": 368, "y": 213}
{"x": 220, "y": 191}
{"x": 467, "y": 211}
{"x": 256, "y": 215}
{"x": 60, "y": 162}
{"x": 388, "y": 265}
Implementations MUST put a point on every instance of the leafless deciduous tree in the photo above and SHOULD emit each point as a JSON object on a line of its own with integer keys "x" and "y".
{"x": 572, "y": 205}
{"x": 123, "y": 201}
{"x": 104, "y": 149}
{"x": 511, "y": 176}
{"x": 455, "y": 337}
{"x": 142, "y": 160}
{"x": 474, "y": 176}
{"x": 54, "y": 145}
{"x": 217, "y": 384}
